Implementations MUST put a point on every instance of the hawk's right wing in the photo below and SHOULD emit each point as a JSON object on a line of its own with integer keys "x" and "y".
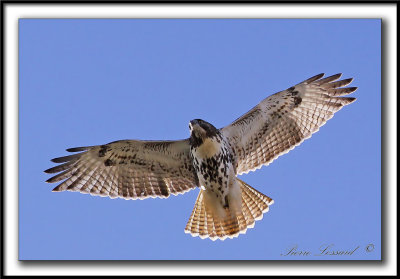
{"x": 285, "y": 119}
{"x": 130, "y": 169}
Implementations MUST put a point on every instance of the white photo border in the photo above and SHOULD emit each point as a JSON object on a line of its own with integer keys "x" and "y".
{"x": 12, "y": 12}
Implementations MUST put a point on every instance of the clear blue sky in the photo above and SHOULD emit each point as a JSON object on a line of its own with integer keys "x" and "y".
{"x": 90, "y": 82}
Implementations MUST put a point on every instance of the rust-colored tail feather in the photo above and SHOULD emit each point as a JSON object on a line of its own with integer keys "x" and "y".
{"x": 206, "y": 223}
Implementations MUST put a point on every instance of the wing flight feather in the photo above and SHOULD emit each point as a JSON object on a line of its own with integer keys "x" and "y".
{"x": 285, "y": 119}
{"x": 129, "y": 169}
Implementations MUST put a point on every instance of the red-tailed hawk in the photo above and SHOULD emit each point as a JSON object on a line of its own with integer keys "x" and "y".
{"x": 210, "y": 159}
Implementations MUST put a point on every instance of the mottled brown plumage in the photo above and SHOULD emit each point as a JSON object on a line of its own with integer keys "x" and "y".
{"x": 129, "y": 169}
{"x": 284, "y": 120}
{"x": 211, "y": 158}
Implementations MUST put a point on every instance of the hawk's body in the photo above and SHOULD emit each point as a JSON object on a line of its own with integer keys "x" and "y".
{"x": 210, "y": 159}
{"x": 213, "y": 161}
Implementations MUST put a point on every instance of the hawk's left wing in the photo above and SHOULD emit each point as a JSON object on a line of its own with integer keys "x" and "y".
{"x": 284, "y": 120}
{"x": 130, "y": 169}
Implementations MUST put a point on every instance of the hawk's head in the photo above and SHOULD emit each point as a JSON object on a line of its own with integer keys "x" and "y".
{"x": 200, "y": 130}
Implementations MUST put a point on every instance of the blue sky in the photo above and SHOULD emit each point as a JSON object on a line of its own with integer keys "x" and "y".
{"x": 90, "y": 82}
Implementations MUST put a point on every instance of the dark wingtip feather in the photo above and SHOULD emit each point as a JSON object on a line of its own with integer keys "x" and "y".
{"x": 53, "y": 179}
{"x": 48, "y": 171}
{"x": 314, "y": 78}
{"x": 348, "y": 90}
{"x": 346, "y": 100}
{"x": 353, "y": 89}
{"x": 344, "y": 82}
{"x": 351, "y": 99}
{"x": 66, "y": 158}
{"x": 329, "y": 79}
{"x": 335, "y": 76}
{"x": 57, "y": 189}
{"x": 350, "y": 80}
{"x": 60, "y": 167}
{"x": 336, "y": 92}
{"x": 77, "y": 149}
{"x": 336, "y": 84}
{"x": 59, "y": 160}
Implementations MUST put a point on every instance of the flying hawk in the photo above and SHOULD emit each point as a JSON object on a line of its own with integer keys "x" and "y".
{"x": 210, "y": 159}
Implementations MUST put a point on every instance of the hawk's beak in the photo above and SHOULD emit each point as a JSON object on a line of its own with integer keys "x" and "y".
{"x": 193, "y": 124}
{"x": 195, "y": 127}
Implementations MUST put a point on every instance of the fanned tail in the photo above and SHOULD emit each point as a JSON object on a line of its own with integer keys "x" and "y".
{"x": 206, "y": 222}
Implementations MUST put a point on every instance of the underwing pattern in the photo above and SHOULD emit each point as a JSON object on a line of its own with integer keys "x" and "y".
{"x": 210, "y": 159}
